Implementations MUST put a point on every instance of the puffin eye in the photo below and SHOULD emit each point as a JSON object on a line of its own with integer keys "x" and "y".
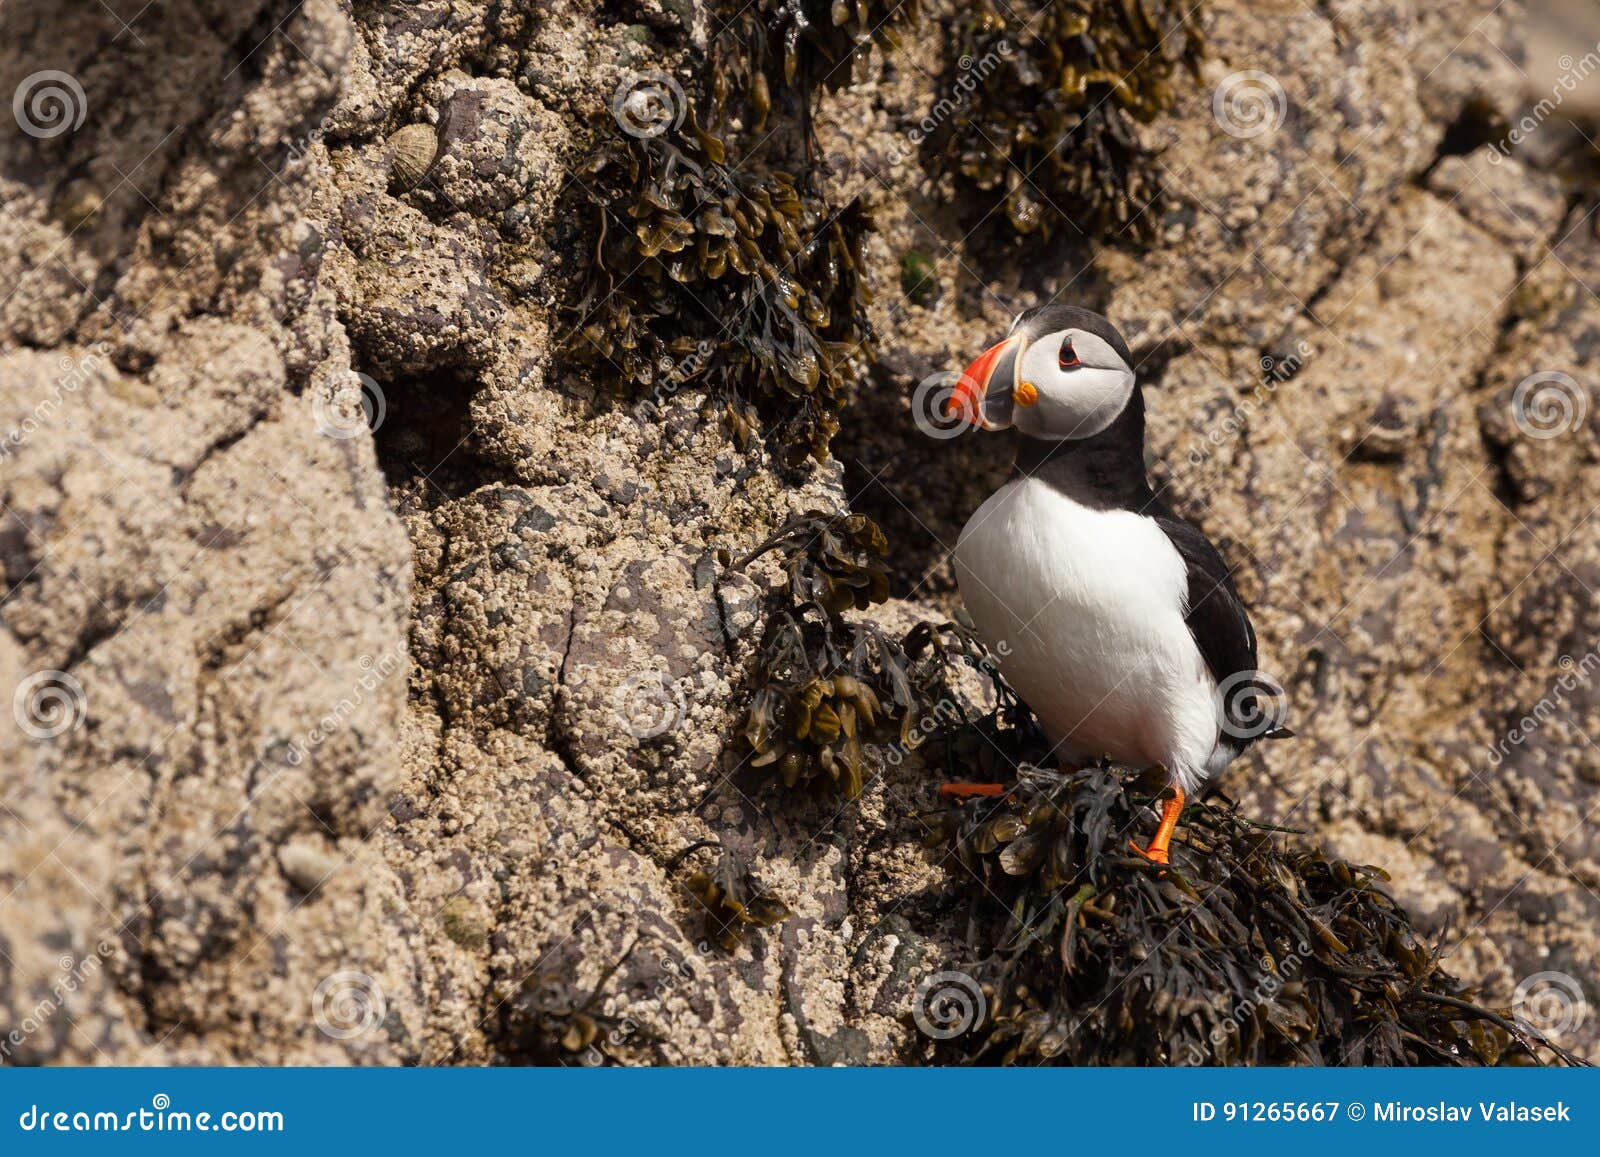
{"x": 1069, "y": 357}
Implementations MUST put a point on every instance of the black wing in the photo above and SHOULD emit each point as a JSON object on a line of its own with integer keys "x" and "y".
{"x": 1252, "y": 702}
{"x": 1216, "y": 617}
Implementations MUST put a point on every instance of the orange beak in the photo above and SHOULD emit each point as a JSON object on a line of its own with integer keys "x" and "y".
{"x": 983, "y": 397}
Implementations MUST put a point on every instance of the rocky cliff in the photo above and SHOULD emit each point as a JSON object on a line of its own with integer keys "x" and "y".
{"x": 372, "y": 660}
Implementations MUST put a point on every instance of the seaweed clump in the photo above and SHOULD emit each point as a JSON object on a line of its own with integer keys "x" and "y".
{"x": 836, "y": 693}
{"x": 1056, "y": 134}
{"x": 733, "y": 902}
{"x": 734, "y": 277}
{"x": 551, "y": 1025}
{"x": 1243, "y": 952}
{"x": 794, "y": 47}
{"x": 828, "y": 685}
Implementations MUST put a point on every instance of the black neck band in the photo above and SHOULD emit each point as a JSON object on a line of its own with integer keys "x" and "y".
{"x": 1104, "y": 471}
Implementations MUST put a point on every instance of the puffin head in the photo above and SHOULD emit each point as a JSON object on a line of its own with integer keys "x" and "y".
{"x": 1061, "y": 374}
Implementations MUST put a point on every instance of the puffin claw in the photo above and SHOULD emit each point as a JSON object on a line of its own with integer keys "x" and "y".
{"x": 1154, "y": 854}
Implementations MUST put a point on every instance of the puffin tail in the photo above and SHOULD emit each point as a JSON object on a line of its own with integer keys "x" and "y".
{"x": 1278, "y": 733}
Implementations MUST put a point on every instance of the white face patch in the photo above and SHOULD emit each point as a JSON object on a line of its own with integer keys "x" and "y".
{"x": 1082, "y": 385}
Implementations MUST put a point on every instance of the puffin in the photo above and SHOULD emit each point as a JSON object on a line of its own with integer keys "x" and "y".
{"x": 1113, "y": 618}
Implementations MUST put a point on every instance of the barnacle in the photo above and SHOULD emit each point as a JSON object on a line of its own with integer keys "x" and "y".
{"x": 733, "y": 902}
{"x": 734, "y": 277}
{"x": 1245, "y": 952}
{"x": 1052, "y": 130}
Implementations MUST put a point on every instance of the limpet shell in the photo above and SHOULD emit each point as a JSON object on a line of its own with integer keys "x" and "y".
{"x": 414, "y": 149}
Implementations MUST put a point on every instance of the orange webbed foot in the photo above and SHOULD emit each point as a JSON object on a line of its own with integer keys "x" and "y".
{"x": 1159, "y": 850}
{"x": 1154, "y": 854}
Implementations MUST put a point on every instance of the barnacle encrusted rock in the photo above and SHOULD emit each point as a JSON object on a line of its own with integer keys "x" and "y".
{"x": 415, "y": 296}
{"x": 407, "y": 710}
{"x": 495, "y": 145}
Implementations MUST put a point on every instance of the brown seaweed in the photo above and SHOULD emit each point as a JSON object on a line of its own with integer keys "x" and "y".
{"x": 738, "y": 278}
{"x": 1054, "y": 131}
{"x": 782, "y": 51}
{"x": 1247, "y": 950}
{"x": 825, "y": 687}
{"x": 734, "y": 903}
{"x": 553, "y": 1025}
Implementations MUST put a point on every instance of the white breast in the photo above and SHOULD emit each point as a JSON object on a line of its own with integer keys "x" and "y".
{"x": 1084, "y": 610}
